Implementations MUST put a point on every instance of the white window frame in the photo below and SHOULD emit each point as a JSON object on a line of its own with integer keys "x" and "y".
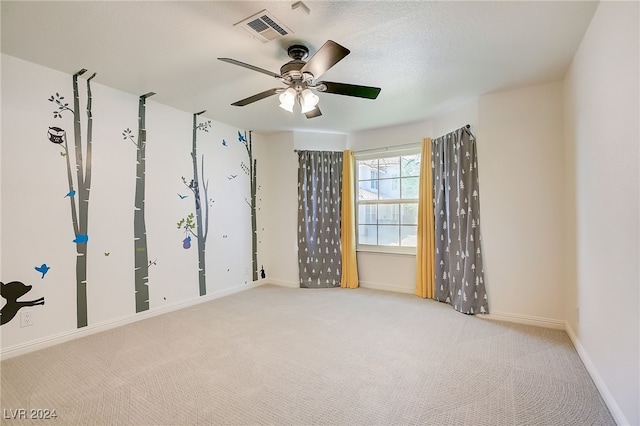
{"x": 395, "y": 151}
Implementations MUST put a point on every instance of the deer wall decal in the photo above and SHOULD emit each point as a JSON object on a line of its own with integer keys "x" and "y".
{"x": 12, "y": 291}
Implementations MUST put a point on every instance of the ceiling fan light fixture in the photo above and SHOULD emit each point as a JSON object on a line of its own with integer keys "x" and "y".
{"x": 287, "y": 99}
{"x": 286, "y": 107}
{"x": 308, "y": 100}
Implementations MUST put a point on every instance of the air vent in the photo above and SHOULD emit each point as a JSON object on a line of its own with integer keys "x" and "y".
{"x": 264, "y": 26}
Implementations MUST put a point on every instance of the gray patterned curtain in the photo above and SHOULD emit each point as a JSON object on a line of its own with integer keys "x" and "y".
{"x": 459, "y": 271}
{"x": 319, "y": 190}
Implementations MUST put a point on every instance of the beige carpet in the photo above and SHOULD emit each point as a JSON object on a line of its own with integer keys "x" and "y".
{"x": 273, "y": 355}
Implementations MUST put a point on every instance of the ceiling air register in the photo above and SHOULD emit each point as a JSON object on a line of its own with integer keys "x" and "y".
{"x": 264, "y": 26}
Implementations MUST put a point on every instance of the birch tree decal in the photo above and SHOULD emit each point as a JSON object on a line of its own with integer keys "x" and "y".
{"x": 80, "y": 192}
{"x": 251, "y": 172}
{"x": 141, "y": 257}
{"x": 195, "y": 186}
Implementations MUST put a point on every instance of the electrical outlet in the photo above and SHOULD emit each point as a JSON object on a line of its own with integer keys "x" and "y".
{"x": 26, "y": 318}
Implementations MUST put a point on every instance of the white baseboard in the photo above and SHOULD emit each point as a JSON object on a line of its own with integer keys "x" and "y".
{"x": 385, "y": 287}
{"x": 615, "y": 410}
{"x": 363, "y": 284}
{"x": 55, "y": 339}
{"x": 526, "y": 319}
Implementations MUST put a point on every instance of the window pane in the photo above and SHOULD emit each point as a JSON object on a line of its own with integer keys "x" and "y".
{"x": 368, "y": 190}
{"x": 409, "y": 214}
{"x": 365, "y": 167}
{"x": 410, "y": 165}
{"x": 368, "y": 214}
{"x": 389, "y": 167}
{"x": 367, "y": 234}
{"x": 389, "y": 189}
{"x": 388, "y": 235}
{"x": 387, "y": 207}
{"x": 408, "y": 236}
{"x": 410, "y": 187}
{"x": 389, "y": 214}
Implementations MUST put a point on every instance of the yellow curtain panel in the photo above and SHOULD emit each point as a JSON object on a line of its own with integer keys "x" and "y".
{"x": 425, "y": 279}
{"x": 348, "y": 220}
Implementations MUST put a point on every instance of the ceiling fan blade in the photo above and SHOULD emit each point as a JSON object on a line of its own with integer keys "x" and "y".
{"x": 349, "y": 89}
{"x": 251, "y": 67}
{"x": 327, "y": 56}
{"x": 257, "y": 97}
{"x": 313, "y": 113}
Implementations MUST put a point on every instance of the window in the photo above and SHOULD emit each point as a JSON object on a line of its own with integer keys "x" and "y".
{"x": 387, "y": 202}
{"x": 373, "y": 183}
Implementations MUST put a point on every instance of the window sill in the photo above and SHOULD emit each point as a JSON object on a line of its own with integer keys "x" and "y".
{"x": 402, "y": 251}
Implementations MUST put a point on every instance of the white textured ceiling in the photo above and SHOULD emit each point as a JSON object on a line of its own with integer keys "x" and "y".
{"x": 426, "y": 56}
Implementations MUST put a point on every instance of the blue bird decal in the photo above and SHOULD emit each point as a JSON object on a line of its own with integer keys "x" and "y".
{"x": 43, "y": 269}
{"x": 81, "y": 239}
{"x": 224, "y": 143}
{"x": 70, "y": 193}
{"x": 182, "y": 197}
{"x": 240, "y": 137}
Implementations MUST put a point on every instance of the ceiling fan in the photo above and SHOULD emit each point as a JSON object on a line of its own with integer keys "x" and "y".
{"x": 300, "y": 77}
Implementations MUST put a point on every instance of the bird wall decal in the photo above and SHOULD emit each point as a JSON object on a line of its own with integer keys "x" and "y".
{"x": 81, "y": 239}
{"x": 43, "y": 269}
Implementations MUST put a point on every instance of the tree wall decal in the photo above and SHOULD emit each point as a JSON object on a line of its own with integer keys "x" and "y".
{"x": 79, "y": 201}
{"x": 141, "y": 256}
{"x": 202, "y": 220}
{"x": 251, "y": 171}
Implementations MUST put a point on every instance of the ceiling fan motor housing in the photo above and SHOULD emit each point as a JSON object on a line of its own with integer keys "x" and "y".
{"x": 291, "y": 73}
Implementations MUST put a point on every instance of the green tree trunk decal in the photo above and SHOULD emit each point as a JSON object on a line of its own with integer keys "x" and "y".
{"x": 202, "y": 220}
{"x": 253, "y": 164}
{"x": 79, "y": 199}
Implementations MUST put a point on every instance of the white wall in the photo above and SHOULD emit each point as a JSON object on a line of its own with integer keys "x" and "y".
{"x": 1, "y": 161}
{"x": 36, "y": 222}
{"x": 602, "y": 137}
{"x": 389, "y": 136}
{"x": 280, "y": 173}
{"x": 387, "y": 271}
{"x": 319, "y": 141}
{"x": 520, "y": 149}
{"x": 520, "y": 135}
{"x": 397, "y": 272}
